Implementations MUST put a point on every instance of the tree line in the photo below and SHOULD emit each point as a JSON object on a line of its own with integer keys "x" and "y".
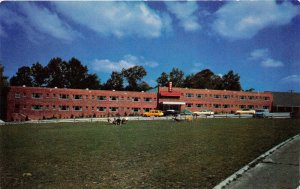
{"x": 72, "y": 74}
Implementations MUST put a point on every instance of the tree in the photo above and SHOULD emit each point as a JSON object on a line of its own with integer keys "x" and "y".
{"x": 231, "y": 81}
{"x": 3, "y": 93}
{"x": 57, "y": 69}
{"x": 39, "y": 75}
{"x": 23, "y": 77}
{"x": 92, "y": 82}
{"x": 133, "y": 76}
{"x": 177, "y": 77}
{"x": 143, "y": 86}
{"x": 3, "y": 79}
{"x": 76, "y": 74}
{"x": 188, "y": 82}
{"x": 250, "y": 90}
{"x": 114, "y": 82}
{"x": 163, "y": 80}
{"x": 203, "y": 80}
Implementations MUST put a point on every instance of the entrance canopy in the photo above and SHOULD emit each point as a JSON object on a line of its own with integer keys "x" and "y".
{"x": 174, "y": 103}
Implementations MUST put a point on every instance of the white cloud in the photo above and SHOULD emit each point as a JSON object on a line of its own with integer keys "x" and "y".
{"x": 116, "y": 18}
{"x": 263, "y": 56}
{"x": 271, "y": 63}
{"x": 185, "y": 13}
{"x": 44, "y": 21}
{"x": 126, "y": 62}
{"x": 259, "y": 54}
{"x": 36, "y": 22}
{"x": 243, "y": 19}
{"x": 291, "y": 79}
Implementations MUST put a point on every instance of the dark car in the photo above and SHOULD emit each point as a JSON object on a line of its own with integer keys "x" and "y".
{"x": 171, "y": 112}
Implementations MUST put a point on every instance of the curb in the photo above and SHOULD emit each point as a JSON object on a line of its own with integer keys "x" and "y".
{"x": 252, "y": 164}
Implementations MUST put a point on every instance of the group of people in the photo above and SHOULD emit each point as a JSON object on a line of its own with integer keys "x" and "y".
{"x": 117, "y": 121}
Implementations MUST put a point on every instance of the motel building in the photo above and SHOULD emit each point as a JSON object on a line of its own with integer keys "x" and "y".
{"x": 36, "y": 103}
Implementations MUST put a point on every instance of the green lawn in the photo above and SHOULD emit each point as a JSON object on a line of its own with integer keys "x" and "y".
{"x": 141, "y": 154}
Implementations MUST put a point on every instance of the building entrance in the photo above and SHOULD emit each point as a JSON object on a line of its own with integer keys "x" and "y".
{"x": 171, "y": 107}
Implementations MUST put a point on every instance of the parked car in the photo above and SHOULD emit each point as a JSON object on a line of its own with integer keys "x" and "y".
{"x": 155, "y": 113}
{"x": 203, "y": 112}
{"x": 261, "y": 113}
{"x": 245, "y": 111}
{"x": 171, "y": 113}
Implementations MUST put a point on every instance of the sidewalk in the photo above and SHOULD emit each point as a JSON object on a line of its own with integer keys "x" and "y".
{"x": 279, "y": 170}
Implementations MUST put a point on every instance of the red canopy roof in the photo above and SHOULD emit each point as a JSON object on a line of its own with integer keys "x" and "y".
{"x": 166, "y": 93}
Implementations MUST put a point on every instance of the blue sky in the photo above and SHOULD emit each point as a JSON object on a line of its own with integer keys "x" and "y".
{"x": 259, "y": 40}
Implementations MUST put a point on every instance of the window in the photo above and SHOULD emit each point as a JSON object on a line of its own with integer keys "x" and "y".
{"x": 199, "y": 105}
{"x": 135, "y": 99}
{"x": 64, "y": 96}
{"x": 189, "y": 105}
{"x": 226, "y": 96}
{"x": 24, "y": 106}
{"x": 147, "y": 99}
{"x": 136, "y": 110}
{"x": 242, "y": 106}
{"x": 47, "y": 95}
{"x": 17, "y": 95}
{"x": 217, "y": 96}
{"x": 77, "y": 108}
{"x": 64, "y": 108}
{"x": 266, "y": 107}
{"x": 226, "y": 106}
{"x": 87, "y": 96}
{"x": 122, "y": 98}
{"x": 113, "y": 109}
{"x": 24, "y": 94}
{"x": 251, "y": 97}
{"x": 242, "y": 97}
{"x": 47, "y": 107}
{"x": 101, "y": 97}
{"x": 113, "y": 98}
{"x": 147, "y": 109}
{"x": 53, "y": 107}
{"x": 37, "y": 95}
{"x": 101, "y": 109}
{"x": 266, "y": 98}
{"x": 37, "y": 107}
{"x": 217, "y": 105}
{"x": 251, "y": 106}
{"x": 189, "y": 95}
{"x": 200, "y": 95}
{"x": 77, "y": 97}
{"x": 54, "y": 95}
{"x": 93, "y": 97}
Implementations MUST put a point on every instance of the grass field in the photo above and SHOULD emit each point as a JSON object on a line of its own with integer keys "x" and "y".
{"x": 140, "y": 154}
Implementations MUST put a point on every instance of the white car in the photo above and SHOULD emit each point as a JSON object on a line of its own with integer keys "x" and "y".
{"x": 245, "y": 111}
{"x": 203, "y": 112}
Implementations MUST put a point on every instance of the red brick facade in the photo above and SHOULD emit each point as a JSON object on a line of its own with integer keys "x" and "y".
{"x": 40, "y": 103}
{"x": 219, "y": 101}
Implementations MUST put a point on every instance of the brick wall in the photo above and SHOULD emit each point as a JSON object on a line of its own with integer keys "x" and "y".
{"x": 40, "y": 103}
{"x": 217, "y": 100}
